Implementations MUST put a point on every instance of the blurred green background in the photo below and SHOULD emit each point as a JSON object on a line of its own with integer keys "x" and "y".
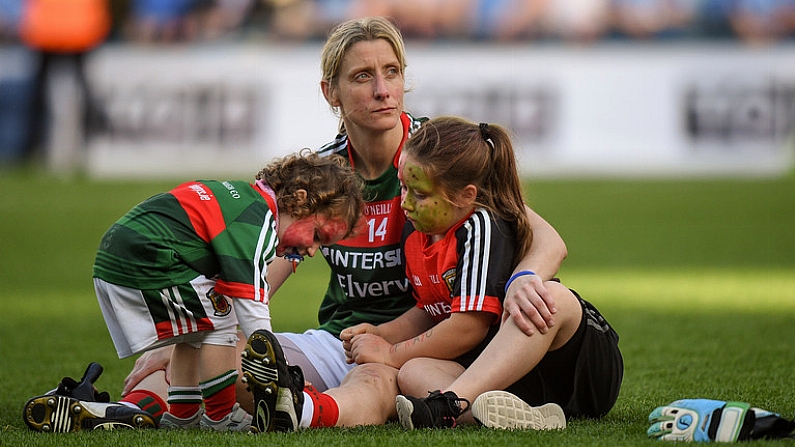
{"x": 697, "y": 276}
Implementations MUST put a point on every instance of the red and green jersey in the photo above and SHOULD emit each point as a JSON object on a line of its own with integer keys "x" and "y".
{"x": 464, "y": 272}
{"x": 223, "y": 230}
{"x": 368, "y": 280}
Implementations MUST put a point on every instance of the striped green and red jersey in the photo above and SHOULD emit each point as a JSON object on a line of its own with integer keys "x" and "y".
{"x": 222, "y": 230}
{"x": 368, "y": 279}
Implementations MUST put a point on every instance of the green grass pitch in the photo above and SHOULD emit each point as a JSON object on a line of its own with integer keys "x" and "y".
{"x": 697, "y": 276}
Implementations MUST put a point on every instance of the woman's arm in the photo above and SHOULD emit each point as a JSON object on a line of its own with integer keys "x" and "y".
{"x": 527, "y": 300}
{"x": 278, "y": 271}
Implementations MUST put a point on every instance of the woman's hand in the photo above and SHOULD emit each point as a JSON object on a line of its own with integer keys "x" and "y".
{"x": 529, "y": 304}
{"x": 369, "y": 348}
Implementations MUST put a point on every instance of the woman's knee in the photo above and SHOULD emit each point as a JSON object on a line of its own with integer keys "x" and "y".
{"x": 374, "y": 375}
{"x": 419, "y": 376}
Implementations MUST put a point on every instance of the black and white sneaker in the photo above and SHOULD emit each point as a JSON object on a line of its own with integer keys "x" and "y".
{"x": 62, "y": 414}
{"x": 438, "y": 410}
{"x": 278, "y": 388}
{"x": 503, "y": 410}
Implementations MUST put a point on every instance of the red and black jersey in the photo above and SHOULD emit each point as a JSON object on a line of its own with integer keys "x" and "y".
{"x": 464, "y": 272}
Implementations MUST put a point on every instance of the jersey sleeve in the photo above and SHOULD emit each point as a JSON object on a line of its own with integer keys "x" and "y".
{"x": 485, "y": 247}
{"x": 247, "y": 243}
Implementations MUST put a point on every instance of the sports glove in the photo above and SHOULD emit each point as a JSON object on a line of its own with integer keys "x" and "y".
{"x": 705, "y": 420}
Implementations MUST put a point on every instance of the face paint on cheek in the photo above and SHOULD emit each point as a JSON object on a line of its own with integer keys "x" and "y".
{"x": 331, "y": 230}
{"x": 433, "y": 216}
{"x": 430, "y": 212}
{"x": 415, "y": 176}
{"x": 412, "y": 177}
{"x": 300, "y": 234}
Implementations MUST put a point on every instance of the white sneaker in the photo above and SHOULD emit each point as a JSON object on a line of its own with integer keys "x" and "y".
{"x": 237, "y": 420}
{"x": 169, "y": 421}
{"x": 503, "y": 410}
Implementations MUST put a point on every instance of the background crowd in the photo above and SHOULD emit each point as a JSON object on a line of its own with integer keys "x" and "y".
{"x": 578, "y": 21}
{"x": 41, "y": 38}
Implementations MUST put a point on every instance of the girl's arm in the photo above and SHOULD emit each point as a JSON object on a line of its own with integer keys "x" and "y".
{"x": 278, "y": 271}
{"x": 527, "y": 300}
{"x": 452, "y": 337}
{"x": 148, "y": 363}
{"x": 413, "y": 321}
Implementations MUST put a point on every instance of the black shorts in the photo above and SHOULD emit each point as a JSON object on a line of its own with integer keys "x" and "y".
{"x": 583, "y": 376}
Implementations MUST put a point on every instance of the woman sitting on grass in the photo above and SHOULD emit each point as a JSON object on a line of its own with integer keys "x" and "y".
{"x": 463, "y": 200}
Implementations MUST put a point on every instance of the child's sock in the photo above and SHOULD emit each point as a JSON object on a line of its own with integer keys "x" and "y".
{"x": 219, "y": 395}
{"x": 184, "y": 401}
{"x": 147, "y": 401}
{"x": 320, "y": 409}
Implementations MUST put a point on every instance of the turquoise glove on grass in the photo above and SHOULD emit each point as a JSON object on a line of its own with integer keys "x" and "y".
{"x": 706, "y": 420}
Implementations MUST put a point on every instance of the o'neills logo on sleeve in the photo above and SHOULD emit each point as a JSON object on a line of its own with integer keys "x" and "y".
{"x": 202, "y": 209}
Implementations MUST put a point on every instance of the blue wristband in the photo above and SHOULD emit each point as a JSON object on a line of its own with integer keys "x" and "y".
{"x": 516, "y": 275}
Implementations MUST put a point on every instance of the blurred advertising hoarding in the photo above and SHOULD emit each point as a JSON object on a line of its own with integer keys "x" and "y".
{"x": 623, "y": 109}
{"x": 206, "y": 110}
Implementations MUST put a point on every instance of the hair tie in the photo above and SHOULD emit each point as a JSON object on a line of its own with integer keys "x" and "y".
{"x": 484, "y": 132}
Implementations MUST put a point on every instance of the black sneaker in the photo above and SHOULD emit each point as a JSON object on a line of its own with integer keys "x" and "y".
{"x": 438, "y": 410}
{"x": 62, "y": 414}
{"x": 278, "y": 388}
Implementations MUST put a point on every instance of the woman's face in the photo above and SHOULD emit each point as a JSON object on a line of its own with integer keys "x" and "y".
{"x": 370, "y": 87}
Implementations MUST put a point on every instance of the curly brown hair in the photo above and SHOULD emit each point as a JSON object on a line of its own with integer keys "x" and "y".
{"x": 331, "y": 185}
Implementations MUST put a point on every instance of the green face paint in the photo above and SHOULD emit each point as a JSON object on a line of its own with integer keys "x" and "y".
{"x": 425, "y": 206}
